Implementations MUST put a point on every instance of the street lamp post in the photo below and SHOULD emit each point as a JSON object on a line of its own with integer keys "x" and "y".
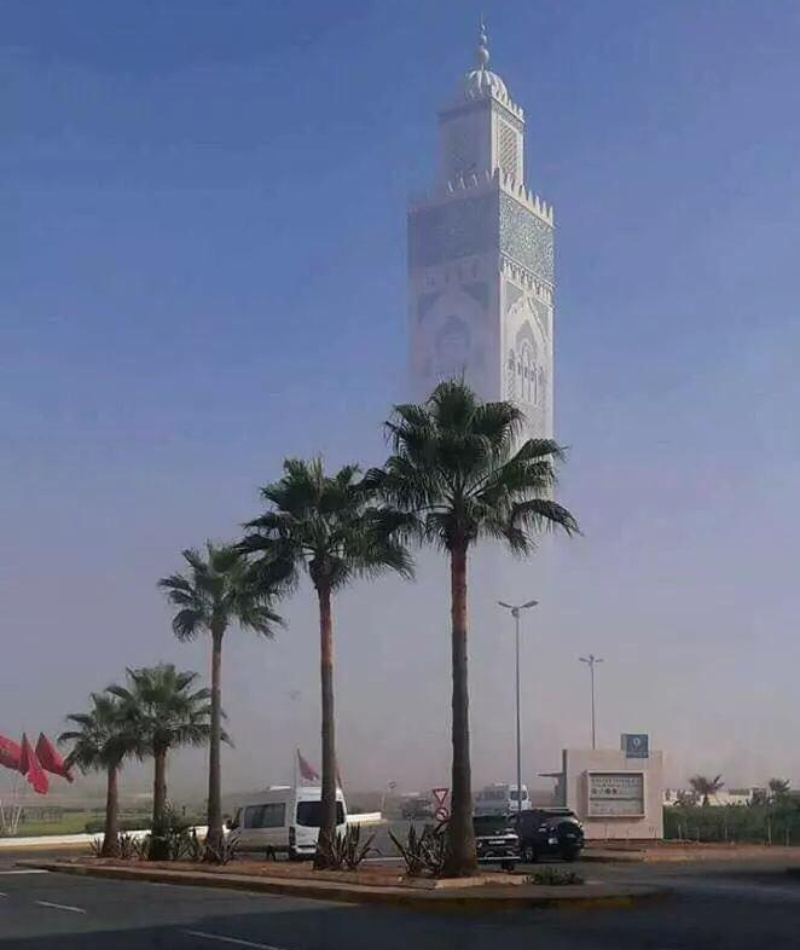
{"x": 515, "y": 612}
{"x": 591, "y": 661}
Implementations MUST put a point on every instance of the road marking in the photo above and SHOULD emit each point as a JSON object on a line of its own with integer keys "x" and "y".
{"x": 233, "y": 940}
{"x": 26, "y": 871}
{"x": 74, "y": 910}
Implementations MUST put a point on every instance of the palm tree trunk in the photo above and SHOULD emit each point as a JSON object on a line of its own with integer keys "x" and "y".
{"x": 461, "y": 859}
{"x": 327, "y": 828}
{"x": 159, "y": 787}
{"x": 110, "y": 847}
{"x": 215, "y": 833}
{"x": 159, "y": 847}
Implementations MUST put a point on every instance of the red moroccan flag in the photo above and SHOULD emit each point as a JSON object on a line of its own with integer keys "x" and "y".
{"x": 307, "y": 770}
{"x": 30, "y": 768}
{"x": 49, "y": 758}
{"x": 10, "y": 753}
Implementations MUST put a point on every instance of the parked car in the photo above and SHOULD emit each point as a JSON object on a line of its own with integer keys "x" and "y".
{"x": 549, "y": 831}
{"x": 416, "y": 809}
{"x": 496, "y": 840}
{"x": 284, "y": 820}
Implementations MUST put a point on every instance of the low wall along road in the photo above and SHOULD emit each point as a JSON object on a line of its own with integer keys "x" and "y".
{"x": 82, "y": 841}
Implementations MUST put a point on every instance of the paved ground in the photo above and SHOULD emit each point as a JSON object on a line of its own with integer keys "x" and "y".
{"x": 735, "y": 906}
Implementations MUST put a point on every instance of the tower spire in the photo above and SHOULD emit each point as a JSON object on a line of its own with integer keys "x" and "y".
{"x": 483, "y": 46}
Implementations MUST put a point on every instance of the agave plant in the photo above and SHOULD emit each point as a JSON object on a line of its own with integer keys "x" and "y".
{"x": 423, "y": 852}
{"x": 345, "y": 850}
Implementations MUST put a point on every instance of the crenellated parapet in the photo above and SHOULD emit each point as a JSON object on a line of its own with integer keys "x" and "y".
{"x": 525, "y": 279}
{"x": 477, "y": 184}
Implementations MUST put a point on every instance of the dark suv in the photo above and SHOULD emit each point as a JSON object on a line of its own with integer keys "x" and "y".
{"x": 549, "y": 831}
{"x": 496, "y": 840}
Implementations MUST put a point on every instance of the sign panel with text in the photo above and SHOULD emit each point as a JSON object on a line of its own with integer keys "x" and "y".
{"x": 615, "y": 794}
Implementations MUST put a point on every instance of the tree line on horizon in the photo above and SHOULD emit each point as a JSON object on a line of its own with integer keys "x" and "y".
{"x": 459, "y": 472}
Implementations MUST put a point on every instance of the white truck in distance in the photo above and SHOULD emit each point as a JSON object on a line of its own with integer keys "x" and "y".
{"x": 500, "y": 799}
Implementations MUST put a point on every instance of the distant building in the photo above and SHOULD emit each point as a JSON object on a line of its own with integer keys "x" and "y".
{"x": 725, "y": 796}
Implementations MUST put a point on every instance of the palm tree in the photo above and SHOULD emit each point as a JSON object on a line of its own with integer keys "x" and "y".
{"x": 217, "y": 592}
{"x": 459, "y": 468}
{"x": 686, "y": 798}
{"x": 167, "y": 712}
{"x": 779, "y": 789}
{"x": 328, "y": 526}
{"x": 705, "y": 787}
{"x": 103, "y": 739}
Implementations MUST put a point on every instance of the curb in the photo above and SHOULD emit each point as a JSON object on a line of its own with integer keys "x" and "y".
{"x": 605, "y": 858}
{"x": 435, "y": 901}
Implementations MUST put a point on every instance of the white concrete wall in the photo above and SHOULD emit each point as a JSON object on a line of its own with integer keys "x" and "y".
{"x": 579, "y": 762}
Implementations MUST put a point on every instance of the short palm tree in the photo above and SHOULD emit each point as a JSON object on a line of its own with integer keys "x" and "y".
{"x": 686, "y": 798}
{"x": 167, "y": 712}
{"x": 329, "y": 526}
{"x": 217, "y": 592}
{"x": 459, "y": 467}
{"x": 779, "y": 789}
{"x": 103, "y": 739}
{"x": 705, "y": 787}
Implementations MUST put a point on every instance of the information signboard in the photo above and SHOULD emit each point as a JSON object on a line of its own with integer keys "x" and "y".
{"x": 636, "y": 745}
{"x": 615, "y": 794}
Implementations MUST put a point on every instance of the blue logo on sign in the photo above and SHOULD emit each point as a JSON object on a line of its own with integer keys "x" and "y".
{"x": 637, "y": 746}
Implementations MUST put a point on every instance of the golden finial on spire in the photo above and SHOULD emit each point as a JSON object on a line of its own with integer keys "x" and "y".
{"x": 483, "y": 46}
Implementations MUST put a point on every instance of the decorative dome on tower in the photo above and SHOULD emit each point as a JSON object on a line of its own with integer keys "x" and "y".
{"x": 480, "y": 83}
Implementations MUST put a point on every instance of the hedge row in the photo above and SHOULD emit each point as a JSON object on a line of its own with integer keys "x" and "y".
{"x": 96, "y": 825}
{"x": 753, "y": 824}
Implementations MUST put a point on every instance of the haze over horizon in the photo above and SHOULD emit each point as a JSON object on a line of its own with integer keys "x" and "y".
{"x": 203, "y": 272}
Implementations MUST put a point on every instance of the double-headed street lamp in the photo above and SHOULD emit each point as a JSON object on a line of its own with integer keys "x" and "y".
{"x": 515, "y": 612}
{"x": 591, "y": 661}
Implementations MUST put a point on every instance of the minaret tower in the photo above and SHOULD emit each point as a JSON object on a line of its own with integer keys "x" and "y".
{"x": 480, "y": 258}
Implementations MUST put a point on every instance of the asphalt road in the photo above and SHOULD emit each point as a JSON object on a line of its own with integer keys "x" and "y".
{"x": 730, "y": 907}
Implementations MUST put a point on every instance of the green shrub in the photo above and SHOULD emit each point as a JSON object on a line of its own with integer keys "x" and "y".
{"x": 171, "y": 839}
{"x": 554, "y": 877}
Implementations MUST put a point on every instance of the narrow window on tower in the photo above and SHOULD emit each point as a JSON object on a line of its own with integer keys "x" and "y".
{"x": 508, "y": 150}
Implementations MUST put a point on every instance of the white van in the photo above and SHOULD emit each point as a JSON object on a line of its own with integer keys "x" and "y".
{"x": 284, "y": 820}
{"x": 500, "y": 799}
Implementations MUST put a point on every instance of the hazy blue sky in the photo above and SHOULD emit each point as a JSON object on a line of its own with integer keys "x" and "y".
{"x": 202, "y": 269}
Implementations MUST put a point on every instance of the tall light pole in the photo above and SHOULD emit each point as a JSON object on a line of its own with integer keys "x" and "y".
{"x": 591, "y": 661}
{"x": 515, "y": 612}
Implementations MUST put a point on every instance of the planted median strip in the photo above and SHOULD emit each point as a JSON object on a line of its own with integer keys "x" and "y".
{"x": 486, "y": 893}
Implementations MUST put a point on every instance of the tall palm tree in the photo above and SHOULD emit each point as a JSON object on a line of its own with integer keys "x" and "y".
{"x": 328, "y": 526}
{"x": 705, "y": 787}
{"x": 218, "y": 591}
{"x": 103, "y": 739}
{"x": 458, "y": 467}
{"x": 167, "y": 712}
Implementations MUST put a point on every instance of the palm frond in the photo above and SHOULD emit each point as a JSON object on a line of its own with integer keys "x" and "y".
{"x": 458, "y": 468}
